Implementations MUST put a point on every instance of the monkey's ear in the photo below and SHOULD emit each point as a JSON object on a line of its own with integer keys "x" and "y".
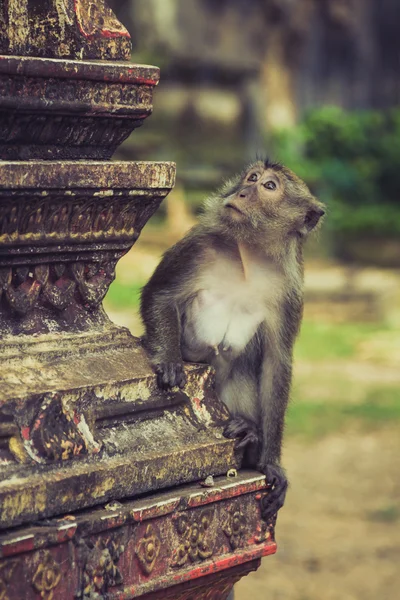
{"x": 311, "y": 219}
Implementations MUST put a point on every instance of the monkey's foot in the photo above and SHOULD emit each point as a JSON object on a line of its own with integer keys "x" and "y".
{"x": 275, "y": 499}
{"x": 170, "y": 374}
{"x": 240, "y": 427}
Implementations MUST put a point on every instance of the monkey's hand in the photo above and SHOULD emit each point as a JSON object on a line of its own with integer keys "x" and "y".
{"x": 245, "y": 429}
{"x": 170, "y": 374}
{"x": 275, "y": 499}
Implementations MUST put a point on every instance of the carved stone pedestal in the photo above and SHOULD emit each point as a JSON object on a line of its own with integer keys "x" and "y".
{"x": 99, "y": 469}
{"x": 187, "y": 543}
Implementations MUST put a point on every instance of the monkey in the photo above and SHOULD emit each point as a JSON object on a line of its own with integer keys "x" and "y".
{"x": 230, "y": 294}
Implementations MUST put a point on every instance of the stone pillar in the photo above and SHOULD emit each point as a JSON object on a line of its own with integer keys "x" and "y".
{"x": 99, "y": 470}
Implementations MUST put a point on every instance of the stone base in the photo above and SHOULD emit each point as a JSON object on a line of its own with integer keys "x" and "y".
{"x": 83, "y": 422}
{"x": 192, "y": 542}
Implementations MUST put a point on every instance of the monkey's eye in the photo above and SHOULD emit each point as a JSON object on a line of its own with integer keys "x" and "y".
{"x": 252, "y": 177}
{"x": 270, "y": 185}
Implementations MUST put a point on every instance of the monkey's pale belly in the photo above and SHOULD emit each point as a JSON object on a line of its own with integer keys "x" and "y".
{"x": 216, "y": 324}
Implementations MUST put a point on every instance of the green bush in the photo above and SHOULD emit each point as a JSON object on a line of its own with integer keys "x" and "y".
{"x": 351, "y": 160}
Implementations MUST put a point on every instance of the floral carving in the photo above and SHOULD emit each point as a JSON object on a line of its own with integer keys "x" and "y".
{"x": 192, "y": 531}
{"x": 47, "y": 577}
{"x": 148, "y": 549}
{"x": 101, "y": 571}
{"x": 59, "y": 290}
{"x": 6, "y": 570}
{"x": 234, "y": 527}
{"x": 22, "y": 289}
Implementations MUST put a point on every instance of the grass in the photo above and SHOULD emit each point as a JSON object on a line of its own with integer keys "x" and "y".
{"x": 387, "y": 514}
{"x": 320, "y": 341}
{"x": 381, "y": 406}
{"x": 123, "y": 296}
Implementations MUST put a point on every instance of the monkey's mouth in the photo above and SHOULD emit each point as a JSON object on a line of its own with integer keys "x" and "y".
{"x": 233, "y": 207}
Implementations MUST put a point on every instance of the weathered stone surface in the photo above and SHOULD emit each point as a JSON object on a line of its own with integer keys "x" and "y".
{"x": 62, "y": 29}
{"x": 174, "y": 542}
{"x": 63, "y": 109}
{"x": 63, "y": 226}
{"x": 92, "y": 413}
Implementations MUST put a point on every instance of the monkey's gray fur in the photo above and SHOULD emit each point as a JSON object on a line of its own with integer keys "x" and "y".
{"x": 230, "y": 294}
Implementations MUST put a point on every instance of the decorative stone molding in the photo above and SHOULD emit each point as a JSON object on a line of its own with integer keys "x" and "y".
{"x": 129, "y": 550}
{"x": 66, "y": 109}
{"x": 63, "y": 228}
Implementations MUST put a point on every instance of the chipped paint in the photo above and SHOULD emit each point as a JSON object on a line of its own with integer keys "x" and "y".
{"x": 18, "y": 29}
{"x": 158, "y": 509}
{"x": 65, "y": 15}
{"x": 14, "y": 504}
{"x": 17, "y": 545}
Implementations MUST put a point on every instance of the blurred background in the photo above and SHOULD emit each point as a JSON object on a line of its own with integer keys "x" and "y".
{"x": 314, "y": 84}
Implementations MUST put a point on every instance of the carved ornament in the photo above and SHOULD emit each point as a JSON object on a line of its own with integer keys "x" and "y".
{"x": 54, "y": 297}
{"x": 47, "y": 577}
{"x": 101, "y": 571}
{"x": 148, "y": 549}
{"x": 234, "y": 527}
{"x": 192, "y": 530}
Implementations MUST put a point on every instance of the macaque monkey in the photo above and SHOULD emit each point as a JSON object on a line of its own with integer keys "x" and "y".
{"x": 230, "y": 294}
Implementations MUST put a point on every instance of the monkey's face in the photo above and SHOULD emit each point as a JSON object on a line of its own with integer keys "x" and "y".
{"x": 270, "y": 198}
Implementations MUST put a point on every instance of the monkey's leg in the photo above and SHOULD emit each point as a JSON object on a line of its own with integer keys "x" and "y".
{"x": 240, "y": 427}
{"x": 249, "y": 439}
{"x": 237, "y": 387}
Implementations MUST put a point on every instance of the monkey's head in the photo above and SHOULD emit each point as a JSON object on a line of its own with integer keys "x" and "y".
{"x": 267, "y": 200}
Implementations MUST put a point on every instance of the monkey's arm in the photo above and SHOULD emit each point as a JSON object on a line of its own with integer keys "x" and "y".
{"x": 274, "y": 389}
{"x": 160, "y": 302}
{"x": 274, "y": 395}
{"x": 162, "y": 340}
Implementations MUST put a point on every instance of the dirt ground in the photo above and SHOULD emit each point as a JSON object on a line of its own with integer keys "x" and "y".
{"x": 339, "y": 532}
